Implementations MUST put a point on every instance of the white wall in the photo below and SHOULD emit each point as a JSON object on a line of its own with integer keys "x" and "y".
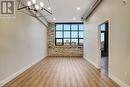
{"x": 90, "y": 46}
{"x": 23, "y": 40}
{"x": 119, "y": 16}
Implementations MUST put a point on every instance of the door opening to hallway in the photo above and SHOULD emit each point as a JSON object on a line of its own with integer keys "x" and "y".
{"x": 104, "y": 40}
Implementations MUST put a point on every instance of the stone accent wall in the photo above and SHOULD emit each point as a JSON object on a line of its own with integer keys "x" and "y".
{"x": 61, "y": 50}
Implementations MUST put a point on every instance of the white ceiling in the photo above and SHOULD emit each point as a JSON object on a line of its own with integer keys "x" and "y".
{"x": 66, "y": 10}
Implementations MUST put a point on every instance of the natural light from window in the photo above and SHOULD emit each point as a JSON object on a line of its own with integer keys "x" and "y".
{"x": 69, "y": 34}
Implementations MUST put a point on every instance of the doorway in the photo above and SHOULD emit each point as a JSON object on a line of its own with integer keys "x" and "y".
{"x": 104, "y": 43}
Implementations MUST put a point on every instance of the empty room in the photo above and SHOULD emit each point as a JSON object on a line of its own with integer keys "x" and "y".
{"x": 64, "y": 43}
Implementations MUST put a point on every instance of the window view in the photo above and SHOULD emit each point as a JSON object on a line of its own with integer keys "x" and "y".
{"x": 102, "y": 36}
{"x": 69, "y": 34}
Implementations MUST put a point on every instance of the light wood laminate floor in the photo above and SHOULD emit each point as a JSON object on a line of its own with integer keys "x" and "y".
{"x": 62, "y": 72}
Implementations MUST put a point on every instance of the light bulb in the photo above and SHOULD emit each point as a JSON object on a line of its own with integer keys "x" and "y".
{"x": 41, "y": 4}
{"x": 54, "y": 19}
{"x": 29, "y": 3}
{"x": 49, "y": 8}
{"x": 34, "y": 1}
{"x": 37, "y": 7}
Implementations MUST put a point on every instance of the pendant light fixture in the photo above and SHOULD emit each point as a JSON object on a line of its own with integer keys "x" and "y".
{"x": 34, "y": 7}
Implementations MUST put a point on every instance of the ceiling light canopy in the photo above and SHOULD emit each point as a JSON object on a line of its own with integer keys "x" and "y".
{"x": 74, "y": 18}
{"x": 78, "y": 8}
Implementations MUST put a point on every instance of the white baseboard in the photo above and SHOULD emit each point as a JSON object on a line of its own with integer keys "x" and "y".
{"x": 114, "y": 78}
{"x": 94, "y": 64}
{"x": 118, "y": 81}
{"x": 11, "y": 77}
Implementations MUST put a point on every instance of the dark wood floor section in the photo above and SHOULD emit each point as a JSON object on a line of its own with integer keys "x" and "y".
{"x": 62, "y": 72}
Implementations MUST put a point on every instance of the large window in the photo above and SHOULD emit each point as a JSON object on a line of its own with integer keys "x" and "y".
{"x": 69, "y": 34}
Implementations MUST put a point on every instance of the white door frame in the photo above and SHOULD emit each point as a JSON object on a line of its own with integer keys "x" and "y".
{"x": 109, "y": 45}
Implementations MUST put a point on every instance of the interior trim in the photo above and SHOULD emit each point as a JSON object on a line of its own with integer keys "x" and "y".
{"x": 91, "y": 62}
{"x": 11, "y": 77}
{"x": 91, "y": 9}
{"x": 114, "y": 78}
{"x": 118, "y": 81}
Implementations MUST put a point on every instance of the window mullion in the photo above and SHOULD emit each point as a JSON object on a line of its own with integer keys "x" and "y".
{"x": 62, "y": 34}
{"x": 78, "y": 34}
{"x": 70, "y": 34}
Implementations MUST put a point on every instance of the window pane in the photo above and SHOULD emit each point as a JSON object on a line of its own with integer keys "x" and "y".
{"x": 59, "y": 34}
{"x": 74, "y": 34}
{"x": 103, "y": 27}
{"x": 74, "y": 41}
{"x": 66, "y": 41}
{"x": 81, "y": 27}
{"x": 74, "y": 27}
{"x": 102, "y": 37}
{"x": 81, "y": 35}
{"x": 102, "y": 41}
{"x": 69, "y": 34}
{"x": 59, "y": 27}
{"x": 66, "y": 34}
{"x": 66, "y": 26}
{"x": 58, "y": 41}
{"x": 80, "y": 41}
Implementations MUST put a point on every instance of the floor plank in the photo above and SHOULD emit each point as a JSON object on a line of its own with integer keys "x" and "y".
{"x": 62, "y": 72}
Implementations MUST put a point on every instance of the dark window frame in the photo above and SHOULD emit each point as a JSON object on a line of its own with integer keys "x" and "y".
{"x": 70, "y": 38}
